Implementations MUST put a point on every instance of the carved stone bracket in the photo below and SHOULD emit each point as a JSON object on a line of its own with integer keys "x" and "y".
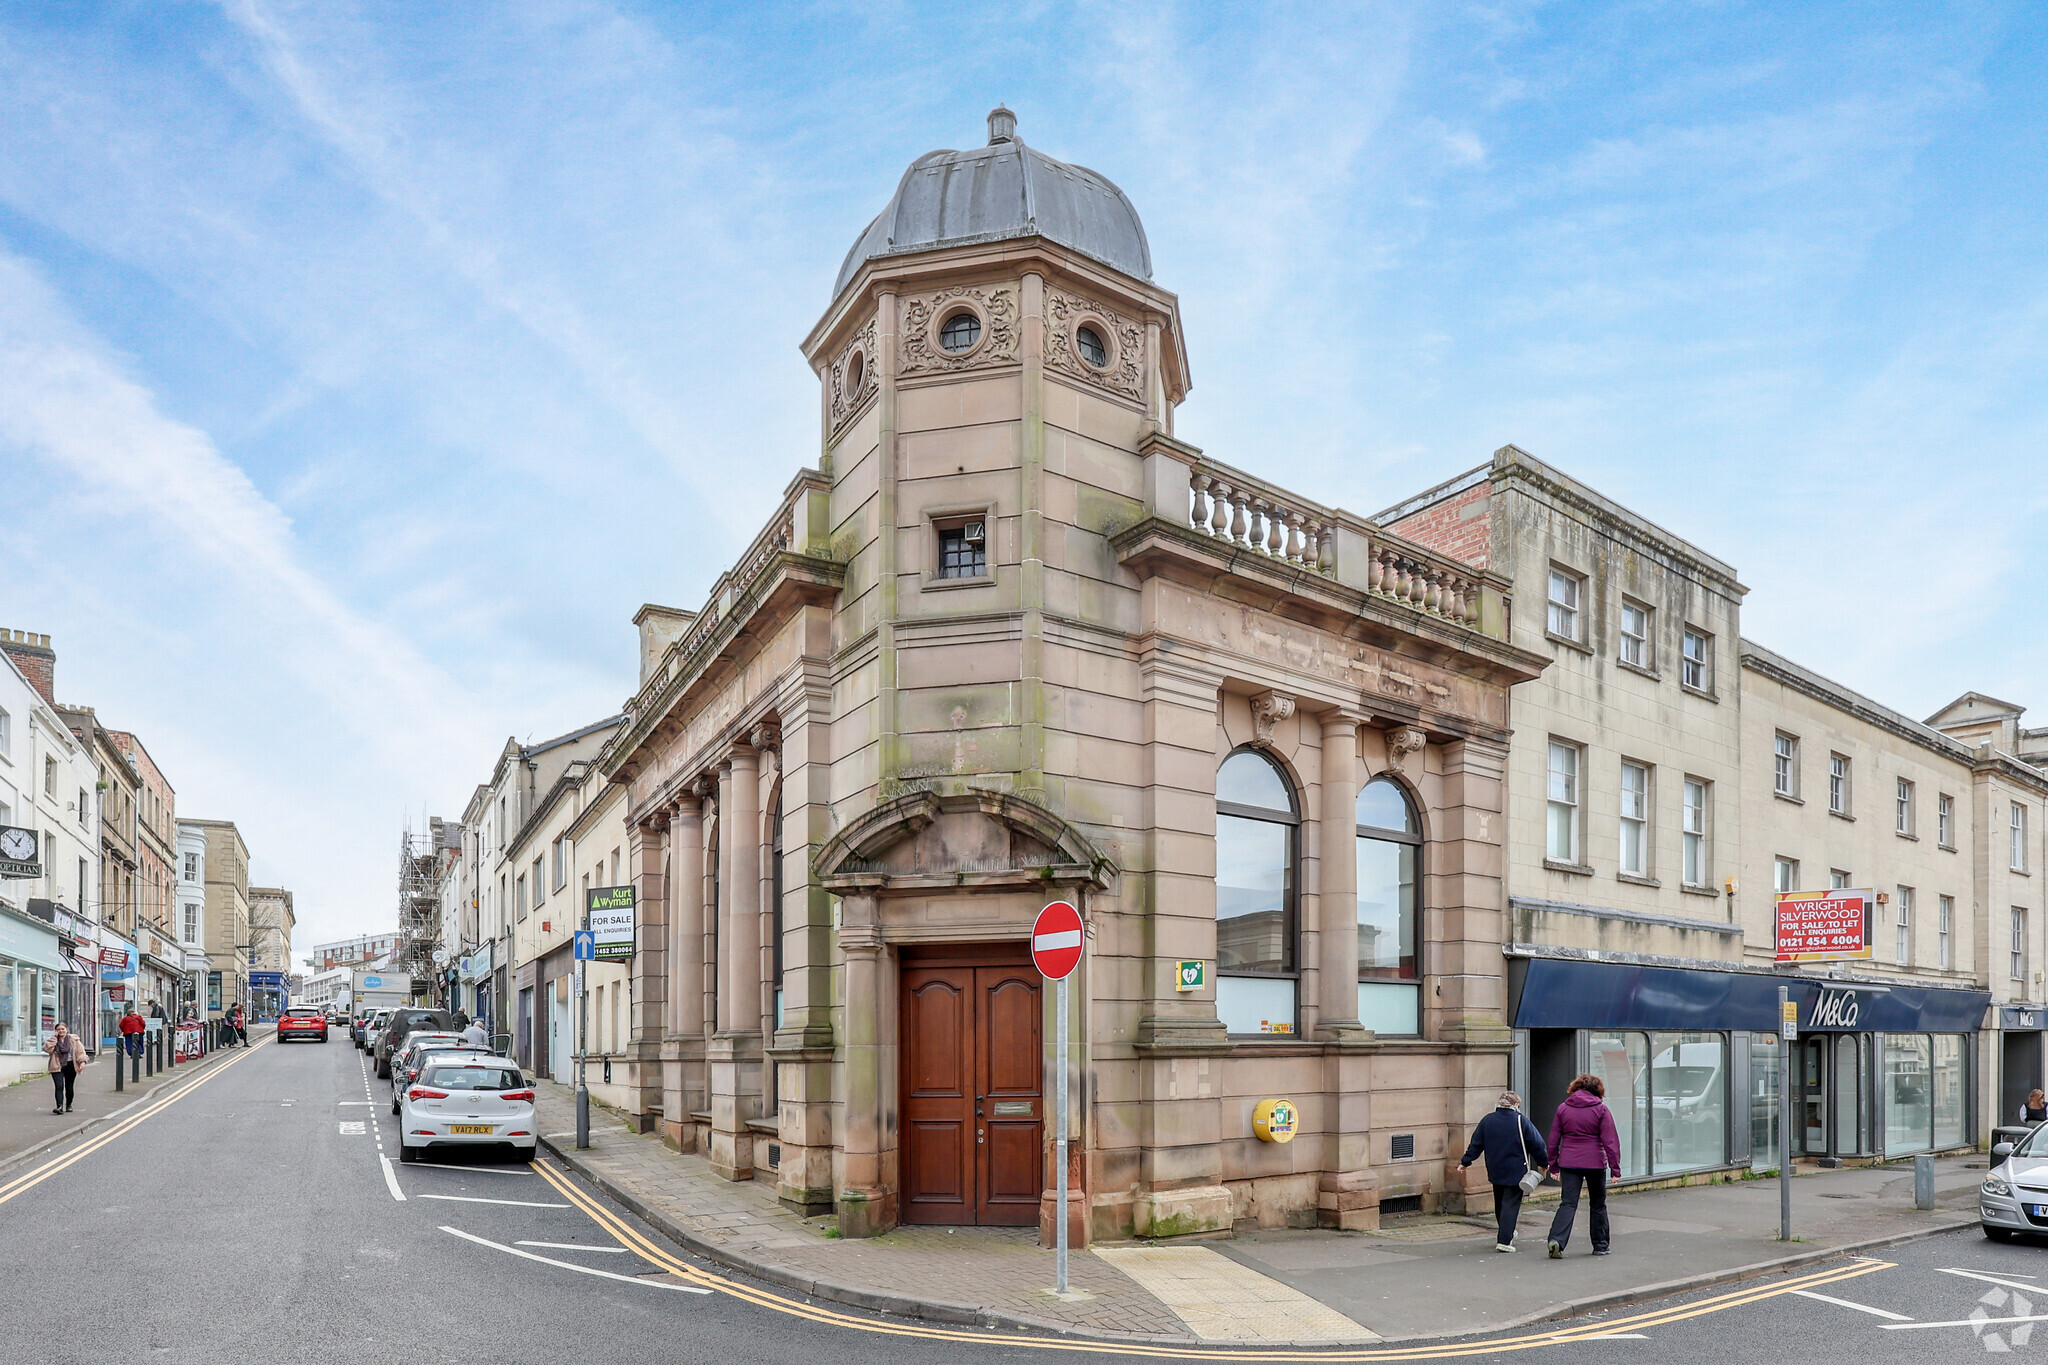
{"x": 767, "y": 735}
{"x": 1268, "y": 710}
{"x": 1402, "y": 744}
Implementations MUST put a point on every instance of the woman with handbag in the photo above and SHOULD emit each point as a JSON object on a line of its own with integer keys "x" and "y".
{"x": 1507, "y": 1138}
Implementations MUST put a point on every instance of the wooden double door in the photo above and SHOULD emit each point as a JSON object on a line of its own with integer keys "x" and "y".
{"x": 973, "y": 1131}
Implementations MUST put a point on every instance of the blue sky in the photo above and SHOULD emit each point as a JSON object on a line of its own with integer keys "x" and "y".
{"x": 364, "y": 368}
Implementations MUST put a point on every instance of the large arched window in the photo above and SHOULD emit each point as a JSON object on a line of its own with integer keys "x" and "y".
{"x": 1256, "y": 827}
{"x": 1389, "y": 849}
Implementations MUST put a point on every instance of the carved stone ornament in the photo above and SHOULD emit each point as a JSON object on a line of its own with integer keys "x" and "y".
{"x": 998, "y": 344}
{"x": 850, "y": 390}
{"x": 1402, "y": 744}
{"x": 1268, "y": 710}
{"x": 1064, "y": 314}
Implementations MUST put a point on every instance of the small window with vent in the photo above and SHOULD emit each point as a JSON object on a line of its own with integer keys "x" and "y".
{"x": 963, "y": 548}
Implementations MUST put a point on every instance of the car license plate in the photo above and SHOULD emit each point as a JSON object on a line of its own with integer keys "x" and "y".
{"x": 469, "y": 1127}
{"x": 2038, "y": 1210}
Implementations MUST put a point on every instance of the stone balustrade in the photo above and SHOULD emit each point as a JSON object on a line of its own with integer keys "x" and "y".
{"x": 1247, "y": 512}
{"x": 1254, "y": 517}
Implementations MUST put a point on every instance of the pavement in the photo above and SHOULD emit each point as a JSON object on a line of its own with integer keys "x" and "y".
{"x": 27, "y": 1126}
{"x": 1296, "y": 1287}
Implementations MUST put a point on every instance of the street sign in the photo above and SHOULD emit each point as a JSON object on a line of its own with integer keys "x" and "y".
{"x": 611, "y": 922}
{"x": 586, "y": 946}
{"x": 1788, "y": 1021}
{"x": 1190, "y": 976}
{"x": 1056, "y": 941}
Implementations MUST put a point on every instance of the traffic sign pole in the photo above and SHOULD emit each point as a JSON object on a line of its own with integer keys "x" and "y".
{"x": 1788, "y": 1028}
{"x": 582, "y": 1041}
{"x": 1056, "y": 943}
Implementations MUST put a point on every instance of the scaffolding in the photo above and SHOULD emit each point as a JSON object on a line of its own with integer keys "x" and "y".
{"x": 420, "y": 868}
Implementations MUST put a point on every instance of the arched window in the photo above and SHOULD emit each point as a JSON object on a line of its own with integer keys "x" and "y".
{"x": 1389, "y": 850}
{"x": 1257, "y": 824}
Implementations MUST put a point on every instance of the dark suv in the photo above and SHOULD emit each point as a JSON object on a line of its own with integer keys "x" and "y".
{"x": 402, "y": 1022}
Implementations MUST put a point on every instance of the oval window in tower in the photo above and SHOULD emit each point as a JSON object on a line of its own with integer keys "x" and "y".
{"x": 961, "y": 331}
{"x": 1089, "y": 343}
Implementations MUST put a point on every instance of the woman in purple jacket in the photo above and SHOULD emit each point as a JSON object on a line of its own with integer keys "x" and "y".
{"x": 1585, "y": 1148}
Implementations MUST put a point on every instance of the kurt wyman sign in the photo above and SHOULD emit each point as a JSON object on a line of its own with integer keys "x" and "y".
{"x": 611, "y": 922}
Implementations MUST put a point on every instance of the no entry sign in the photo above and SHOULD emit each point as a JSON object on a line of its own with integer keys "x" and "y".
{"x": 1056, "y": 941}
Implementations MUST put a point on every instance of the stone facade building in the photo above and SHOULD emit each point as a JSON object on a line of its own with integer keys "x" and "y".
{"x": 1012, "y": 640}
{"x": 226, "y": 867}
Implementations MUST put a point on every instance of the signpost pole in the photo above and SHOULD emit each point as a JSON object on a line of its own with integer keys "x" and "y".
{"x": 1786, "y": 1029}
{"x": 1060, "y": 1141}
{"x": 582, "y": 1042}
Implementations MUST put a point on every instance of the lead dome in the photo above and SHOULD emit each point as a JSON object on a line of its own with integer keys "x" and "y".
{"x": 1001, "y": 192}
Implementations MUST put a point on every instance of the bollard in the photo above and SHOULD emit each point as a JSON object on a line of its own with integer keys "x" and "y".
{"x": 1923, "y": 1182}
{"x": 118, "y": 1061}
{"x": 134, "y": 1060}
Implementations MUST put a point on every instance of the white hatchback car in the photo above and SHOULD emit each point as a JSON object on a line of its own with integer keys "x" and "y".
{"x": 465, "y": 1102}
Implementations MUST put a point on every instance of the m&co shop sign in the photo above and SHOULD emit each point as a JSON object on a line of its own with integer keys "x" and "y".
{"x": 1824, "y": 926}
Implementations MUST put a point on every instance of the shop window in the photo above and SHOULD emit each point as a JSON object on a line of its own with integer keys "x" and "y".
{"x": 1948, "y": 1090}
{"x": 1257, "y": 824}
{"x": 1668, "y": 1093}
{"x": 1765, "y": 1112}
{"x": 1389, "y": 850}
{"x": 1909, "y": 1096}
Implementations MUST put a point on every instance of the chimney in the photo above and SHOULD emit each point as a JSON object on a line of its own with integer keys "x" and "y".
{"x": 34, "y": 657}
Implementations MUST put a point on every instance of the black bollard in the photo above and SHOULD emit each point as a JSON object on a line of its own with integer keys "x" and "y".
{"x": 134, "y": 1059}
{"x": 117, "y": 1069}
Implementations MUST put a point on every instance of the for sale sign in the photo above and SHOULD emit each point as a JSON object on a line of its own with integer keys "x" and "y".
{"x": 1824, "y": 926}
{"x": 611, "y": 923}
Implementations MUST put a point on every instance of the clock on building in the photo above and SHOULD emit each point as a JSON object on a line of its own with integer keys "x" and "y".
{"x": 18, "y": 853}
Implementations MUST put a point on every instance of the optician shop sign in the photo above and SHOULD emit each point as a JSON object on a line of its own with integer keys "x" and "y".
{"x": 1824, "y": 926}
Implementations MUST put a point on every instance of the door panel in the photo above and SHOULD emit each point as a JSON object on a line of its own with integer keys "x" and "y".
{"x": 973, "y": 1115}
{"x": 938, "y": 1095}
{"x": 1012, "y": 1108}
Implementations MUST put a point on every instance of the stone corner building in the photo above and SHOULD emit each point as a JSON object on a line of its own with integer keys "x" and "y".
{"x": 1013, "y": 641}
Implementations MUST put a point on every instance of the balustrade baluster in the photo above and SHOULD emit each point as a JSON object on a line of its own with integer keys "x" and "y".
{"x": 1198, "y": 513}
{"x": 1241, "y": 527}
{"x": 1219, "y": 516}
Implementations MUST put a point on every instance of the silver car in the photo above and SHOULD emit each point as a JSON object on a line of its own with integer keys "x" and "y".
{"x": 464, "y": 1101}
{"x": 2014, "y": 1196}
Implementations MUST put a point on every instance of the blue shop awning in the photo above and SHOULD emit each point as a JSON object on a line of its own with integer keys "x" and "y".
{"x": 1569, "y": 993}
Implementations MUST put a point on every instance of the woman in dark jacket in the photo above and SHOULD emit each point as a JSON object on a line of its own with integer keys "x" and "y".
{"x": 1510, "y": 1143}
{"x": 1586, "y": 1148}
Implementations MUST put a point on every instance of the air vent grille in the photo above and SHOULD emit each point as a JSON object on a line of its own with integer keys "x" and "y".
{"x": 1403, "y": 1147}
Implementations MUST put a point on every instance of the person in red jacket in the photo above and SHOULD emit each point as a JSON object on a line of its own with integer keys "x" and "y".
{"x": 1585, "y": 1149}
{"x": 133, "y": 1026}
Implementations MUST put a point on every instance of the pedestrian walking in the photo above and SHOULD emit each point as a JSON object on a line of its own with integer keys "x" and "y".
{"x": 132, "y": 1027}
{"x": 475, "y": 1035}
{"x": 1584, "y": 1150}
{"x": 67, "y": 1059}
{"x": 240, "y": 1024}
{"x": 1506, "y": 1138}
{"x": 2035, "y": 1110}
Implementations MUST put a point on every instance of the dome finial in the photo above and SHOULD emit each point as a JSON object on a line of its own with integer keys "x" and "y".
{"x": 1002, "y": 126}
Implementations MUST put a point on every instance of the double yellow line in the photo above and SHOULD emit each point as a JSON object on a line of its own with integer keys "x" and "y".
{"x": 662, "y": 1260}
{"x": 30, "y": 1179}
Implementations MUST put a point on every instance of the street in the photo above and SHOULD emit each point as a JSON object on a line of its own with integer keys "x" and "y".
{"x": 310, "y": 1241}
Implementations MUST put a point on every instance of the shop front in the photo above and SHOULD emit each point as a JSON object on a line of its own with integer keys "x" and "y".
{"x": 119, "y": 962}
{"x": 269, "y": 994}
{"x": 1690, "y": 1058}
{"x": 2022, "y": 1060}
{"x": 30, "y": 968}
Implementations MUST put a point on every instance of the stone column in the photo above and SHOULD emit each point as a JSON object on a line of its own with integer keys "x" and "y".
{"x": 683, "y": 1088}
{"x": 863, "y": 1198}
{"x": 1338, "y": 893}
{"x": 766, "y": 740}
{"x": 736, "y": 1049}
{"x": 649, "y": 974}
{"x": 1464, "y": 998}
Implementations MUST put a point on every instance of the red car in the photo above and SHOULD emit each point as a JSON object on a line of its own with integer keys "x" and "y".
{"x": 302, "y": 1021}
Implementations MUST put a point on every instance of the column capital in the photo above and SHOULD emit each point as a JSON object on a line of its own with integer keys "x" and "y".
{"x": 741, "y": 758}
{"x": 1336, "y": 719}
{"x": 766, "y": 736}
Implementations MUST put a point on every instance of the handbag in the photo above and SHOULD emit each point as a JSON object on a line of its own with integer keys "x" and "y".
{"x": 1531, "y": 1177}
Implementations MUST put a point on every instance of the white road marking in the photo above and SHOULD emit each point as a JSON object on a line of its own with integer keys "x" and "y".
{"x": 1859, "y": 1307}
{"x": 1964, "y": 1322}
{"x": 351, "y": 1129}
{"x": 1993, "y": 1279}
{"x": 357, "y": 1104}
{"x": 574, "y": 1246}
{"x": 487, "y": 1170}
{"x": 468, "y": 1199}
{"x": 570, "y": 1265}
{"x": 391, "y": 1180}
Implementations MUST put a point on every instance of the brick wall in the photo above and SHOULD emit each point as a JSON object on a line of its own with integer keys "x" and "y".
{"x": 1458, "y": 526}
{"x": 36, "y": 660}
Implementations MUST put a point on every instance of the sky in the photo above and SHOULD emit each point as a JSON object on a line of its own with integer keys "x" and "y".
{"x": 363, "y": 368}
